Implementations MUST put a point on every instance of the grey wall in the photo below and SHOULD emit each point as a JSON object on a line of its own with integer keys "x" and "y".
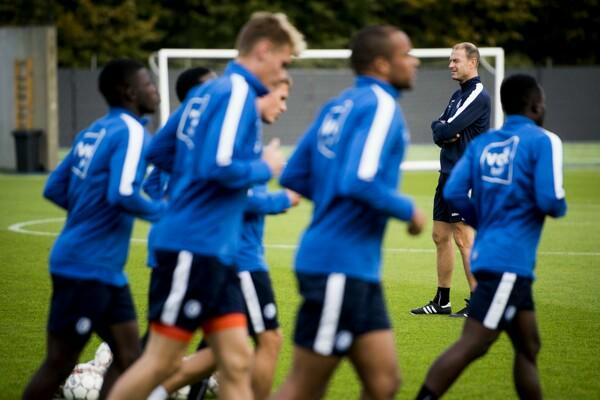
{"x": 39, "y": 43}
{"x": 573, "y": 101}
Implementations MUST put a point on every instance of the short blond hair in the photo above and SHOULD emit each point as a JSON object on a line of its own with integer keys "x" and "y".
{"x": 470, "y": 50}
{"x": 274, "y": 27}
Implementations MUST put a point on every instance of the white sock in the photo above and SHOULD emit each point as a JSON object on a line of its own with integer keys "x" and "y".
{"x": 160, "y": 393}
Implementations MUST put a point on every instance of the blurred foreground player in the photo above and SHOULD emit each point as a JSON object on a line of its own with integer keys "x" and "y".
{"x": 195, "y": 283}
{"x": 98, "y": 184}
{"x": 515, "y": 174}
{"x": 259, "y": 298}
{"x": 348, "y": 163}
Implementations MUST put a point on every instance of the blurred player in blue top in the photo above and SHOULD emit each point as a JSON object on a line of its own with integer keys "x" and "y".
{"x": 156, "y": 183}
{"x": 259, "y": 298}
{"x": 98, "y": 183}
{"x": 515, "y": 175}
{"x": 347, "y": 164}
{"x": 195, "y": 283}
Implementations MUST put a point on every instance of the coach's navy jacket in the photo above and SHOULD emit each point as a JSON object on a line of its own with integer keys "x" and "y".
{"x": 467, "y": 114}
{"x": 98, "y": 183}
{"x": 347, "y": 163}
{"x": 515, "y": 174}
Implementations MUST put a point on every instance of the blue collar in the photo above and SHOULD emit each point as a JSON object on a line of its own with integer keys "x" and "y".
{"x": 120, "y": 110}
{"x": 471, "y": 82}
{"x": 365, "y": 80}
{"x": 518, "y": 119}
{"x": 234, "y": 67}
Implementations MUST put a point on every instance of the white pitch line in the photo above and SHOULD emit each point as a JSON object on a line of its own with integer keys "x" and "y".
{"x": 19, "y": 228}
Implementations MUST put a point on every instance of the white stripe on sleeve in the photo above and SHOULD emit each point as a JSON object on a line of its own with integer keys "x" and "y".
{"x": 557, "y": 163}
{"x": 135, "y": 142}
{"x": 330, "y": 315}
{"x": 252, "y": 302}
{"x": 179, "y": 284}
{"x": 233, "y": 115}
{"x": 478, "y": 89}
{"x": 369, "y": 159}
{"x": 492, "y": 318}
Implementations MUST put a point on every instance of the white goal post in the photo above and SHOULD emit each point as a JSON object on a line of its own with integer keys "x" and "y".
{"x": 161, "y": 68}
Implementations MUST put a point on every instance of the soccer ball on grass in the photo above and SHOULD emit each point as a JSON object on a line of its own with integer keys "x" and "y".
{"x": 84, "y": 383}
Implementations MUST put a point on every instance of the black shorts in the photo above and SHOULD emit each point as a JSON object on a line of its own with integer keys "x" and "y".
{"x": 80, "y": 307}
{"x": 442, "y": 211}
{"x": 261, "y": 308}
{"x": 188, "y": 290}
{"x": 337, "y": 309}
{"x": 498, "y": 298}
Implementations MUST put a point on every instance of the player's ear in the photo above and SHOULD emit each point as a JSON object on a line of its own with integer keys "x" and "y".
{"x": 129, "y": 93}
{"x": 381, "y": 65}
{"x": 261, "y": 48}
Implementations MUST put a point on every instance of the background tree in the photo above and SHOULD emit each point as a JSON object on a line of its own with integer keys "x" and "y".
{"x": 531, "y": 31}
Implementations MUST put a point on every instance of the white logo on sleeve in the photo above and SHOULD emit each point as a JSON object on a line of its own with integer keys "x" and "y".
{"x": 497, "y": 161}
{"x": 331, "y": 127}
{"x": 84, "y": 151}
{"x": 190, "y": 119}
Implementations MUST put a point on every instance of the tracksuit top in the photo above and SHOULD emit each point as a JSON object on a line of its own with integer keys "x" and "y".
{"x": 250, "y": 256}
{"x": 219, "y": 132}
{"x": 98, "y": 183}
{"x": 347, "y": 163}
{"x": 515, "y": 174}
{"x": 468, "y": 114}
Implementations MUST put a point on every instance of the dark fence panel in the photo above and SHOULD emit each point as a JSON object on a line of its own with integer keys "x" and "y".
{"x": 572, "y": 96}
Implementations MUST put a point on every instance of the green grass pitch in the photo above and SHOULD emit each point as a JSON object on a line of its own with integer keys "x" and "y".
{"x": 566, "y": 294}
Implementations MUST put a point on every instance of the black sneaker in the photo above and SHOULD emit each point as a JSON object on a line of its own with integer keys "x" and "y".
{"x": 463, "y": 313}
{"x": 432, "y": 308}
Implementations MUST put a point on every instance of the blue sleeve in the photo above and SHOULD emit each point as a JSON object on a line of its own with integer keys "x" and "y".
{"x": 57, "y": 186}
{"x": 263, "y": 202}
{"x": 549, "y": 191}
{"x": 364, "y": 162}
{"x": 296, "y": 175}
{"x": 456, "y": 190}
{"x": 472, "y": 109}
{"x": 225, "y": 153}
{"x": 154, "y": 185}
{"x": 161, "y": 151}
{"x": 127, "y": 169}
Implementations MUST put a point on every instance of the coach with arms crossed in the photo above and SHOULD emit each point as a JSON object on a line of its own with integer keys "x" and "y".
{"x": 466, "y": 116}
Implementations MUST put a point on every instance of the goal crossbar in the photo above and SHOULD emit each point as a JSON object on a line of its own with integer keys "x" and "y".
{"x": 164, "y": 55}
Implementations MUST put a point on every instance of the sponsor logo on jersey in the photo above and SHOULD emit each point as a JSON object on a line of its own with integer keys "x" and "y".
{"x": 497, "y": 161}
{"x": 331, "y": 127}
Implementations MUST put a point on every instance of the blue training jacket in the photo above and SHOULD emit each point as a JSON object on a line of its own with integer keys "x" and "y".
{"x": 348, "y": 163}
{"x": 98, "y": 183}
{"x": 250, "y": 256}
{"x": 467, "y": 114}
{"x": 515, "y": 174}
{"x": 217, "y": 159}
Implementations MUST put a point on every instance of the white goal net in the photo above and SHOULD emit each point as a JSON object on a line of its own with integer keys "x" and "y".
{"x": 321, "y": 74}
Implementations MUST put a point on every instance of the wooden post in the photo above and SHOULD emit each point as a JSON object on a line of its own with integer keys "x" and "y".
{"x": 23, "y": 81}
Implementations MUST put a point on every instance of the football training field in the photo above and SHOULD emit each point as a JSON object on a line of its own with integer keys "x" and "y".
{"x": 566, "y": 293}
